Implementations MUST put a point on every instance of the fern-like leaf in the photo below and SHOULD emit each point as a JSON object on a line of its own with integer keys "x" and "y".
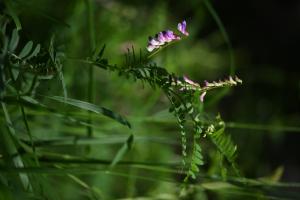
{"x": 224, "y": 144}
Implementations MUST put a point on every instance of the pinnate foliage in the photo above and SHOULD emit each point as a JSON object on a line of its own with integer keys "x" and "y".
{"x": 22, "y": 71}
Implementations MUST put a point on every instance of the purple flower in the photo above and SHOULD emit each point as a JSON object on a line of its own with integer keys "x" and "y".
{"x": 153, "y": 41}
{"x": 161, "y": 38}
{"x": 202, "y": 96}
{"x": 182, "y": 28}
{"x": 170, "y": 36}
{"x": 151, "y": 47}
{"x": 152, "y": 44}
{"x": 165, "y": 37}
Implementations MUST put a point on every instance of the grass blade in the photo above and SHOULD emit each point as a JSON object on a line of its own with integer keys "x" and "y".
{"x": 122, "y": 151}
{"x": 91, "y": 107}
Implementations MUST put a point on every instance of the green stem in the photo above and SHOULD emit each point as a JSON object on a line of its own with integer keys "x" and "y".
{"x": 12, "y": 149}
{"x": 29, "y": 133}
{"x": 224, "y": 34}
{"x": 260, "y": 127}
{"x": 89, "y": 5}
{"x": 24, "y": 116}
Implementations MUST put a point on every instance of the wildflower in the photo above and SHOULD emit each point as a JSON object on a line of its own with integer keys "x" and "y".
{"x": 164, "y": 37}
{"x": 151, "y": 47}
{"x": 170, "y": 36}
{"x": 182, "y": 28}
{"x": 161, "y": 38}
{"x": 153, "y": 41}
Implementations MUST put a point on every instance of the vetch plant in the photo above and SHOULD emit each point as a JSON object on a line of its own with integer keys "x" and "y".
{"x": 23, "y": 71}
{"x": 184, "y": 96}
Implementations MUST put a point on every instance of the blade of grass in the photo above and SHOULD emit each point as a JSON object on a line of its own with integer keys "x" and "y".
{"x": 12, "y": 150}
{"x": 122, "y": 151}
{"x": 91, "y": 107}
{"x": 223, "y": 31}
{"x": 29, "y": 134}
{"x": 107, "y": 139}
{"x": 262, "y": 127}
{"x": 91, "y": 25}
{"x": 94, "y": 191}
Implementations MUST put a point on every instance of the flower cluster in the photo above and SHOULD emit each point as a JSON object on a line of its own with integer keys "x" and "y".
{"x": 227, "y": 82}
{"x": 167, "y": 36}
{"x": 188, "y": 84}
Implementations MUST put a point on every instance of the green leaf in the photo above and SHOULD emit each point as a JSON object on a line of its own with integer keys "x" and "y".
{"x": 32, "y": 101}
{"x": 195, "y": 168}
{"x": 13, "y": 14}
{"x": 14, "y": 40}
{"x": 122, "y": 151}
{"x": 224, "y": 144}
{"x": 35, "y": 51}
{"x": 26, "y": 50}
{"x": 15, "y": 73}
{"x": 192, "y": 174}
{"x": 98, "y": 54}
{"x": 198, "y": 160}
{"x": 58, "y": 67}
{"x": 91, "y": 107}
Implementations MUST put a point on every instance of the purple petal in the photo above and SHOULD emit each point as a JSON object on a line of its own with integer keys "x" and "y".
{"x": 179, "y": 27}
{"x": 206, "y": 83}
{"x": 161, "y": 38}
{"x": 186, "y": 79}
{"x": 182, "y": 28}
{"x": 202, "y": 96}
{"x": 153, "y": 41}
{"x": 169, "y": 35}
{"x": 150, "y": 48}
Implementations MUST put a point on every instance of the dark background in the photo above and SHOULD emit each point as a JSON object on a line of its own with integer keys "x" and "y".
{"x": 268, "y": 32}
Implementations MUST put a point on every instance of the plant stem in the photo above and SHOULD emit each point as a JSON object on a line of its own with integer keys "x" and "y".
{"x": 261, "y": 127}
{"x": 12, "y": 149}
{"x": 89, "y": 5}
{"x": 218, "y": 21}
{"x": 29, "y": 132}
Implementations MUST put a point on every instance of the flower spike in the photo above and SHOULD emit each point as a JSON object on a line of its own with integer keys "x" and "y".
{"x": 164, "y": 37}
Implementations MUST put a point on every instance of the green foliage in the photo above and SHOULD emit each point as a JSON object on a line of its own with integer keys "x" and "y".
{"x": 91, "y": 107}
{"x": 182, "y": 94}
